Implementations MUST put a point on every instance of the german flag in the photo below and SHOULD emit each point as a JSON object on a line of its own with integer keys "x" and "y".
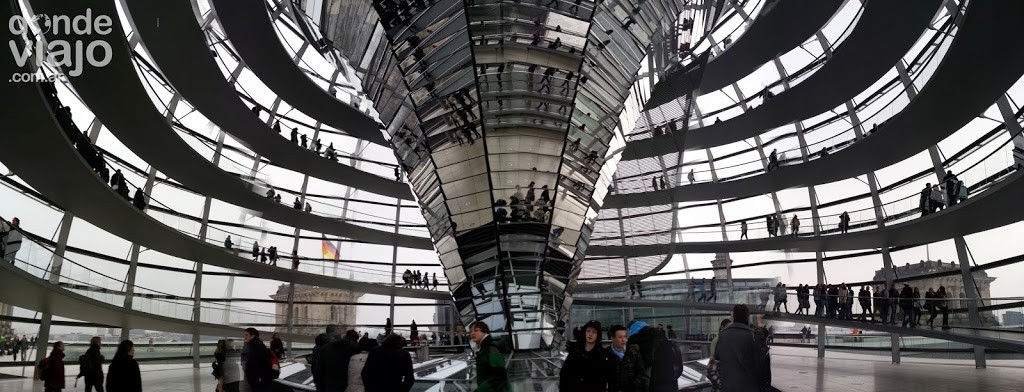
{"x": 329, "y": 251}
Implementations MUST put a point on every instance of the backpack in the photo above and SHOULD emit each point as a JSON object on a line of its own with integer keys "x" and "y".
{"x": 275, "y": 366}
{"x": 83, "y": 365}
{"x": 677, "y": 356}
{"x": 218, "y": 370}
{"x": 44, "y": 369}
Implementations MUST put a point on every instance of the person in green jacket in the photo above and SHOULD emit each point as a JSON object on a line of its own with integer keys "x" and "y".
{"x": 490, "y": 363}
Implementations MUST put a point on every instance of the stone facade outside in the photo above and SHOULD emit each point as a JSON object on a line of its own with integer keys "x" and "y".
{"x": 341, "y": 314}
{"x": 954, "y": 286}
{"x": 721, "y": 261}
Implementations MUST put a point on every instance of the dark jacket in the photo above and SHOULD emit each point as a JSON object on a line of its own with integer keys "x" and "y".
{"x": 92, "y": 369}
{"x": 257, "y": 366}
{"x": 277, "y": 346}
{"x": 584, "y": 370}
{"x": 741, "y": 360}
{"x": 652, "y": 354}
{"x": 490, "y": 368}
{"x": 319, "y": 342}
{"x": 54, "y": 367}
{"x": 622, "y": 372}
{"x": 123, "y": 375}
{"x": 907, "y": 297}
{"x": 330, "y": 372}
{"x": 388, "y": 368}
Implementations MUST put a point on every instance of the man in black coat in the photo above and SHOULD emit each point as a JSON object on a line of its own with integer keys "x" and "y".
{"x": 388, "y": 367}
{"x": 330, "y": 370}
{"x": 257, "y": 363}
{"x": 742, "y": 357}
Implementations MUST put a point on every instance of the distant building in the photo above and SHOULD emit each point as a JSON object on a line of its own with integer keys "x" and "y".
{"x": 445, "y": 316}
{"x": 1013, "y": 318}
{"x": 310, "y": 319}
{"x": 954, "y": 285}
{"x": 699, "y": 323}
{"x": 720, "y": 262}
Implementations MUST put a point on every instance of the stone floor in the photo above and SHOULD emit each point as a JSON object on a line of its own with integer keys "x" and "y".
{"x": 163, "y": 378}
{"x": 793, "y": 369}
{"x": 798, "y": 369}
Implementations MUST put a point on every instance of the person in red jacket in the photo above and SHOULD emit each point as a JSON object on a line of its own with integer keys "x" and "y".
{"x": 52, "y": 369}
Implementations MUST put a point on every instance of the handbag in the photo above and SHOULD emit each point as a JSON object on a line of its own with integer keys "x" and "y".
{"x": 275, "y": 366}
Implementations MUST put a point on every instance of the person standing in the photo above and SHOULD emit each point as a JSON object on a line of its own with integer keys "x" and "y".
{"x": 277, "y": 345}
{"x": 714, "y": 291}
{"x": 721, "y": 327}
{"x": 743, "y": 230}
{"x": 865, "y": 303}
{"x": 780, "y": 297}
{"x": 581, "y": 369}
{"x": 24, "y": 347}
{"x": 16, "y": 348}
{"x": 91, "y": 366}
{"x": 388, "y": 326}
{"x": 942, "y": 299}
{"x": 219, "y": 359}
{"x": 907, "y": 304}
{"x": 330, "y": 370}
{"x": 388, "y": 368}
{"x": 894, "y": 303}
{"x": 124, "y": 375}
{"x": 620, "y": 366}
{"x": 10, "y": 238}
{"x": 741, "y": 357}
{"x": 703, "y": 290}
{"x": 917, "y": 306}
{"x": 795, "y": 225}
{"x": 256, "y": 361}
{"x": 490, "y": 363}
{"x": 930, "y": 305}
{"x": 52, "y": 369}
{"x": 414, "y": 331}
{"x": 357, "y": 363}
{"x": 819, "y": 300}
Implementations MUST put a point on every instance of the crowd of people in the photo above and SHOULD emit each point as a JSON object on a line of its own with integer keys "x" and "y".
{"x": 264, "y": 255}
{"x": 776, "y": 225}
{"x": 344, "y": 361}
{"x": 530, "y": 207}
{"x": 300, "y": 139}
{"x": 91, "y": 153}
{"x": 13, "y": 346}
{"x": 297, "y": 204}
{"x": 878, "y": 304}
{"x": 122, "y": 373}
{"x": 644, "y": 358}
{"x": 703, "y": 287}
{"x": 947, "y": 194}
{"x": 419, "y": 280}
